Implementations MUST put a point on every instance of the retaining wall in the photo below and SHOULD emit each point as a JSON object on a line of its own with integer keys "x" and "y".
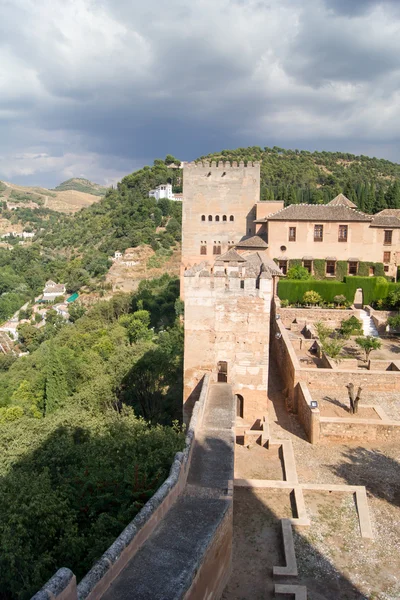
{"x": 308, "y": 417}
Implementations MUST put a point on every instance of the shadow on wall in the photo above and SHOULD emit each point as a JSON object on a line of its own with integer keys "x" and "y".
{"x": 258, "y": 547}
{"x": 379, "y": 473}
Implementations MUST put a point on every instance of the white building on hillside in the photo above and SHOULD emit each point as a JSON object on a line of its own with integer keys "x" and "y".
{"x": 165, "y": 191}
{"x": 52, "y": 290}
{"x": 162, "y": 191}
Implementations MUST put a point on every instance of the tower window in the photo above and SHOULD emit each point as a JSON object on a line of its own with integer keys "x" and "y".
{"x": 210, "y": 217}
{"x": 231, "y": 218}
{"x": 203, "y": 249}
{"x": 217, "y": 218}
{"x": 292, "y": 234}
{"x": 217, "y": 249}
{"x": 224, "y": 218}
{"x": 203, "y": 217}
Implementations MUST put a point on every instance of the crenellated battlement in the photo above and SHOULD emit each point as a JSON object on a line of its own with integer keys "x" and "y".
{"x": 201, "y": 279}
{"x": 222, "y": 165}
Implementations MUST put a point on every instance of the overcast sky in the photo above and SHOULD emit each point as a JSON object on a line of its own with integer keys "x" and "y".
{"x": 98, "y": 88}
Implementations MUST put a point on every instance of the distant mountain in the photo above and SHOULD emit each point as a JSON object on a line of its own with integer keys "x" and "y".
{"x": 80, "y": 184}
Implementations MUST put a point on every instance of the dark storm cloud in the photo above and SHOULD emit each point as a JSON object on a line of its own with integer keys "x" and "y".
{"x": 99, "y": 87}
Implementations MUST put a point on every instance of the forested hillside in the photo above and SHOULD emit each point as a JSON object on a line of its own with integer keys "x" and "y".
{"x": 76, "y": 461}
{"x": 299, "y": 176}
{"x": 125, "y": 217}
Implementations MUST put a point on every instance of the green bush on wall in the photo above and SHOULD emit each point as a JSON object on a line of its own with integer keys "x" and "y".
{"x": 319, "y": 268}
{"x": 341, "y": 269}
{"x": 295, "y": 262}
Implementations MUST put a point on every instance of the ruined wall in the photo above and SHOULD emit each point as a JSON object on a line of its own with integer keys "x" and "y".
{"x": 217, "y": 192}
{"x": 226, "y": 323}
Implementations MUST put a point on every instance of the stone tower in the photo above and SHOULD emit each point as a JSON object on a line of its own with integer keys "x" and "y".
{"x": 219, "y": 208}
{"x": 227, "y": 285}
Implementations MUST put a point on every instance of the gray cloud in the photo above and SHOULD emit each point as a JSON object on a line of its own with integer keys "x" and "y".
{"x": 100, "y": 87}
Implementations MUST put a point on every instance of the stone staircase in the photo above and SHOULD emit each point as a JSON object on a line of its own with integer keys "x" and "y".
{"x": 368, "y": 324}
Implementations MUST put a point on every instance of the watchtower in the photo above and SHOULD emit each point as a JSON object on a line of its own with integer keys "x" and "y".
{"x": 219, "y": 208}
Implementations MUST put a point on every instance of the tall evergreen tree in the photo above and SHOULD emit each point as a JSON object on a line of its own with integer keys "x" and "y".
{"x": 369, "y": 198}
{"x": 56, "y": 389}
{"x": 349, "y": 192}
{"x": 380, "y": 202}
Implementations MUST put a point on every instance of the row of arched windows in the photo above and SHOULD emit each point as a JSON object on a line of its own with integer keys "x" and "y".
{"x": 217, "y": 218}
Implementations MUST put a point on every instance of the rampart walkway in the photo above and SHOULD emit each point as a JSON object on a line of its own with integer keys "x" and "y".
{"x": 190, "y": 548}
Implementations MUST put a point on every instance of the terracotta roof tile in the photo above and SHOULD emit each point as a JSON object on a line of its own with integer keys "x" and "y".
{"x": 341, "y": 200}
{"x": 319, "y": 212}
{"x": 252, "y": 242}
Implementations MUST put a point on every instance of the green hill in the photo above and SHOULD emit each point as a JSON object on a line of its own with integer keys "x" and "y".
{"x": 300, "y": 176}
{"x": 81, "y": 185}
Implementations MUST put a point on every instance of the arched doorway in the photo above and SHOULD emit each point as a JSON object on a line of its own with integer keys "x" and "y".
{"x": 222, "y": 371}
{"x": 239, "y": 405}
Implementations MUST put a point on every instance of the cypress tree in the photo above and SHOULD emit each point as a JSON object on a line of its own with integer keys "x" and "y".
{"x": 56, "y": 389}
{"x": 349, "y": 192}
{"x": 369, "y": 198}
{"x": 380, "y": 202}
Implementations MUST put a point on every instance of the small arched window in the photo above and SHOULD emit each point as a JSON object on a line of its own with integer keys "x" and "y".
{"x": 203, "y": 217}
{"x": 217, "y": 218}
{"x": 224, "y": 218}
{"x": 210, "y": 217}
{"x": 231, "y": 218}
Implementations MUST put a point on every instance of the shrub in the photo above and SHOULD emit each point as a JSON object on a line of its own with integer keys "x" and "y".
{"x": 340, "y": 299}
{"x": 332, "y": 347}
{"x": 298, "y": 272}
{"x": 323, "y": 331}
{"x": 284, "y": 303}
{"x": 312, "y": 297}
{"x": 351, "y": 326}
{"x": 394, "y": 322}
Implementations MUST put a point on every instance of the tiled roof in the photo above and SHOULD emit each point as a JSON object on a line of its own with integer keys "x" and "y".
{"x": 54, "y": 289}
{"x": 390, "y": 217}
{"x": 341, "y": 200}
{"x": 252, "y": 242}
{"x": 231, "y": 256}
{"x": 319, "y": 212}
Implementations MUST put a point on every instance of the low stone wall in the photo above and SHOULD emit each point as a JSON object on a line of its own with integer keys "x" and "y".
{"x": 330, "y": 317}
{"x": 213, "y": 575}
{"x": 61, "y": 586}
{"x": 348, "y": 364}
{"x": 308, "y": 417}
{"x": 327, "y": 362}
{"x": 384, "y": 365}
{"x": 127, "y": 544}
{"x": 380, "y": 318}
{"x": 356, "y": 429}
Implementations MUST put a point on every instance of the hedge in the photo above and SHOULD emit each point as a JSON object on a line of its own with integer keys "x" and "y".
{"x": 374, "y": 288}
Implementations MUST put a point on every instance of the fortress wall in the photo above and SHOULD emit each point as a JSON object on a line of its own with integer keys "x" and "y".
{"x": 224, "y": 323}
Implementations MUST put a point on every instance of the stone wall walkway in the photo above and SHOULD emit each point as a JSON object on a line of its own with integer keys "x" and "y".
{"x": 164, "y": 567}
